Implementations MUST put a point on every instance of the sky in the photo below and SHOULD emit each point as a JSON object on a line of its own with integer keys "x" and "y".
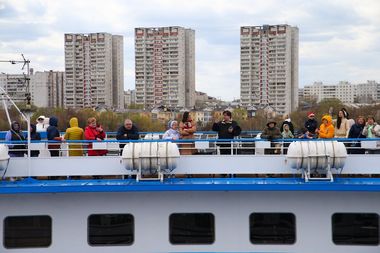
{"x": 339, "y": 40}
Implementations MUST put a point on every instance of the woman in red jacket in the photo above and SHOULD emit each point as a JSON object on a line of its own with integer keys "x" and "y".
{"x": 94, "y": 132}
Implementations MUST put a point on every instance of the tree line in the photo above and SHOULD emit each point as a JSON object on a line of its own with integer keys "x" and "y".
{"x": 145, "y": 123}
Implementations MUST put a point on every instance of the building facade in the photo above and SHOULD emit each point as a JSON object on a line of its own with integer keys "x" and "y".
{"x": 15, "y": 86}
{"x": 269, "y": 67}
{"x": 344, "y": 91}
{"x": 368, "y": 92}
{"x": 47, "y": 88}
{"x": 94, "y": 70}
{"x": 165, "y": 67}
{"x": 129, "y": 97}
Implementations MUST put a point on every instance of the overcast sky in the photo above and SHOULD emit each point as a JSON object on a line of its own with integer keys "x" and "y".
{"x": 339, "y": 40}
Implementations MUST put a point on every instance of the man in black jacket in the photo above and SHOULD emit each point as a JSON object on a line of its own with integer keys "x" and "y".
{"x": 127, "y": 132}
{"x": 227, "y": 129}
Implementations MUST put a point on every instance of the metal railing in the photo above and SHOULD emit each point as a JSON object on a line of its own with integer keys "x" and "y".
{"x": 202, "y": 144}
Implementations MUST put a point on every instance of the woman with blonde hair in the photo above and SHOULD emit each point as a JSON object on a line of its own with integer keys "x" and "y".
{"x": 94, "y": 132}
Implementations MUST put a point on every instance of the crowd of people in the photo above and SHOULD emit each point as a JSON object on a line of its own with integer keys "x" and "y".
{"x": 342, "y": 127}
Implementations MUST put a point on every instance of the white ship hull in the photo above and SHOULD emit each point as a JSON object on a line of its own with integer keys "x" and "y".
{"x": 151, "y": 210}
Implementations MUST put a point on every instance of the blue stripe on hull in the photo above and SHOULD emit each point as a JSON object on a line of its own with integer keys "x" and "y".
{"x": 188, "y": 184}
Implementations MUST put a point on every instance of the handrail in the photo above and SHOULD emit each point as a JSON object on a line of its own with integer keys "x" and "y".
{"x": 194, "y": 140}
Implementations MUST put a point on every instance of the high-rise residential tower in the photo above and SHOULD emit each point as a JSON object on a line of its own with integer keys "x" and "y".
{"x": 269, "y": 67}
{"x": 165, "y": 67}
{"x": 94, "y": 70}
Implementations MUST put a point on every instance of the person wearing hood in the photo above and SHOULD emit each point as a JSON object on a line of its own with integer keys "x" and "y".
{"x": 42, "y": 124}
{"x": 172, "y": 133}
{"x": 356, "y": 133}
{"x": 286, "y": 131}
{"x": 311, "y": 123}
{"x": 127, "y": 132}
{"x": 15, "y": 134}
{"x": 74, "y": 133}
{"x": 326, "y": 129}
{"x": 227, "y": 129}
{"x": 34, "y": 136}
{"x": 53, "y": 136}
{"x": 288, "y": 122}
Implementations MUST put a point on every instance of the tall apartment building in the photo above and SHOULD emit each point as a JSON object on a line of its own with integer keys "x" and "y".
{"x": 344, "y": 91}
{"x": 46, "y": 88}
{"x": 129, "y": 97}
{"x": 269, "y": 67}
{"x": 94, "y": 70}
{"x": 165, "y": 67}
{"x": 15, "y": 86}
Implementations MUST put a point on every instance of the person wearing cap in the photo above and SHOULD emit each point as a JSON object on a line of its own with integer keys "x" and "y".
{"x": 326, "y": 129}
{"x": 342, "y": 126}
{"x": 311, "y": 123}
{"x": 270, "y": 133}
{"x": 42, "y": 125}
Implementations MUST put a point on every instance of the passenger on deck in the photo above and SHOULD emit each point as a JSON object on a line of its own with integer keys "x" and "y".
{"x": 305, "y": 134}
{"x": 53, "y": 135}
{"x": 356, "y": 132}
{"x": 342, "y": 126}
{"x": 94, "y": 132}
{"x": 172, "y": 133}
{"x": 286, "y": 132}
{"x": 270, "y": 133}
{"x": 227, "y": 129}
{"x": 187, "y": 129}
{"x": 311, "y": 124}
{"x": 34, "y": 136}
{"x": 351, "y": 122}
{"x": 15, "y": 134}
{"x": 127, "y": 132}
{"x": 288, "y": 122}
{"x": 326, "y": 129}
{"x": 74, "y": 133}
{"x": 372, "y": 130}
{"x": 42, "y": 124}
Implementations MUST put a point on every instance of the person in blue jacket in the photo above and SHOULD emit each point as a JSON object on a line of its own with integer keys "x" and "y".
{"x": 53, "y": 135}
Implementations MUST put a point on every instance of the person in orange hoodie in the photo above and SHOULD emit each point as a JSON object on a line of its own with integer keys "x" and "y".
{"x": 326, "y": 129}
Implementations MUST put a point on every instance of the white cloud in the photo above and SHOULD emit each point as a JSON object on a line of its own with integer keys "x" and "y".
{"x": 339, "y": 40}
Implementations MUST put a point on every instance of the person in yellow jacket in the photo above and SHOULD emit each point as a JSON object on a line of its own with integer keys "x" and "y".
{"x": 74, "y": 133}
{"x": 326, "y": 129}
